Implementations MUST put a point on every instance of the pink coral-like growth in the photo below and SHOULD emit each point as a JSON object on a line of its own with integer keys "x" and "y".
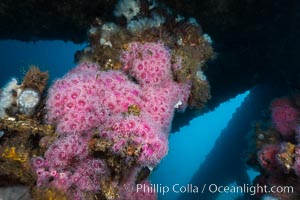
{"x": 149, "y": 63}
{"x": 267, "y": 157}
{"x": 160, "y": 102}
{"x": 83, "y": 100}
{"x": 135, "y": 130}
{"x": 86, "y": 99}
{"x": 62, "y": 152}
{"x": 284, "y": 117}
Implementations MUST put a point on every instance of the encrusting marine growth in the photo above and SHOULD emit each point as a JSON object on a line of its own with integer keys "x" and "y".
{"x": 105, "y": 125}
{"x": 276, "y": 154}
{"x": 90, "y": 104}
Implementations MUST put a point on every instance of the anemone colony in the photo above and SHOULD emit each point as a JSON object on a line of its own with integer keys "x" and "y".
{"x": 99, "y": 130}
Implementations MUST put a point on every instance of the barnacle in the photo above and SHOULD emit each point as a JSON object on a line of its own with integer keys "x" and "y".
{"x": 134, "y": 110}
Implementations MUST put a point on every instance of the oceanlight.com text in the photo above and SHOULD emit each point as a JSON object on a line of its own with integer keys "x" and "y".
{"x": 213, "y": 188}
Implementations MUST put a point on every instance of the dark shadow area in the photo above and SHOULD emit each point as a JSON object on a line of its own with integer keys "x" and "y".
{"x": 253, "y": 39}
{"x": 226, "y": 162}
